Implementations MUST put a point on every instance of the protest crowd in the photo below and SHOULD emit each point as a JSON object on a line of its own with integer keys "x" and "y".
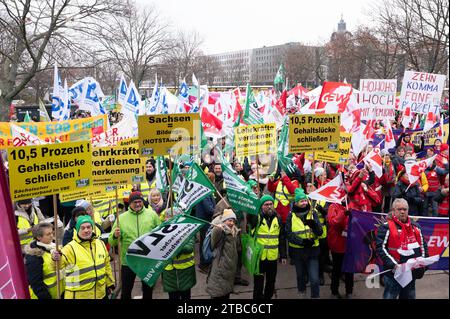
{"x": 239, "y": 208}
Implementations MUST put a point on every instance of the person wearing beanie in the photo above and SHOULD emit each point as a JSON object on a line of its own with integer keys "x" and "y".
{"x": 405, "y": 140}
{"x": 253, "y": 186}
{"x": 224, "y": 238}
{"x": 27, "y": 215}
{"x": 135, "y": 222}
{"x": 69, "y": 232}
{"x": 303, "y": 230}
{"x": 89, "y": 275}
{"x": 267, "y": 227}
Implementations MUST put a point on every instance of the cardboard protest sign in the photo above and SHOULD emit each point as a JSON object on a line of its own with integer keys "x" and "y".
{"x": 314, "y": 132}
{"x": 49, "y": 169}
{"x": 377, "y": 96}
{"x": 169, "y": 134}
{"x": 422, "y": 92}
{"x": 63, "y": 131}
{"x": 117, "y": 165}
{"x": 255, "y": 139}
{"x": 96, "y": 192}
{"x": 341, "y": 157}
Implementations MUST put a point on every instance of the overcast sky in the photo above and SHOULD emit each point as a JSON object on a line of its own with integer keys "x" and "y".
{"x": 231, "y": 25}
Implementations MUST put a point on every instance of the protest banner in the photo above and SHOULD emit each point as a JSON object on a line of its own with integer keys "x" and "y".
{"x": 95, "y": 193}
{"x": 341, "y": 157}
{"x": 314, "y": 132}
{"x": 429, "y": 137}
{"x": 49, "y": 169}
{"x": 149, "y": 254}
{"x": 169, "y": 134}
{"x": 117, "y": 165}
{"x": 255, "y": 139}
{"x": 334, "y": 98}
{"x": 361, "y": 240}
{"x": 63, "y": 131}
{"x": 377, "y": 96}
{"x": 422, "y": 92}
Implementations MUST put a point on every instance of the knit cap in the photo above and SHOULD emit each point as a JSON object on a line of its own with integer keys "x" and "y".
{"x": 444, "y": 147}
{"x": 135, "y": 196}
{"x": 252, "y": 183}
{"x": 24, "y": 201}
{"x": 82, "y": 203}
{"x": 228, "y": 214}
{"x": 266, "y": 198}
{"x": 299, "y": 194}
{"x": 82, "y": 220}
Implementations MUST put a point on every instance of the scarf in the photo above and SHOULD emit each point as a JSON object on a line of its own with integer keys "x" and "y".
{"x": 158, "y": 206}
{"x": 408, "y": 239}
{"x": 48, "y": 247}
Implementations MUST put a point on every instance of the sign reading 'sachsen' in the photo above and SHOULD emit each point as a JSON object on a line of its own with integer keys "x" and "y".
{"x": 168, "y": 134}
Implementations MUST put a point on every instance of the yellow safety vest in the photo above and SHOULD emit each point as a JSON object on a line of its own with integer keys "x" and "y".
{"x": 268, "y": 237}
{"x": 302, "y": 231}
{"x": 283, "y": 198}
{"x": 102, "y": 207}
{"x": 145, "y": 188}
{"x": 23, "y": 223}
{"x": 322, "y": 220}
{"x": 89, "y": 269}
{"x": 49, "y": 276}
{"x": 182, "y": 262}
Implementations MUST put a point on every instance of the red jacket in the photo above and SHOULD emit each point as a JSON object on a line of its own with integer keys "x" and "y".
{"x": 283, "y": 211}
{"x": 337, "y": 228}
{"x": 360, "y": 199}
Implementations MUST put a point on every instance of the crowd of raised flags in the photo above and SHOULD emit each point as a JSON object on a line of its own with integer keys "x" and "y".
{"x": 221, "y": 112}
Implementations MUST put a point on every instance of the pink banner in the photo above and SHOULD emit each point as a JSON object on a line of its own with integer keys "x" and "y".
{"x": 13, "y": 282}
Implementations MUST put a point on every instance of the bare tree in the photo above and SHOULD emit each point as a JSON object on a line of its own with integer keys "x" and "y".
{"x": 134, "y": 40}
{"x": 421, "y": 28}
{"x": 182, "y": 60}
{"x": 207, "y": 69}
{"x": 27, "y": 27}
{"x": 300, "y": 63}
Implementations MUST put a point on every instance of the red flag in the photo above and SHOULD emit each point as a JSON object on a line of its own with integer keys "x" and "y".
{"x": 211, "y": 124}
{"x": 414, "y": 169}
{"x": 375, "y": 160}
{"x": 334, "y": 97}
{"x": 332, "y": 192}
{"x": 407, "y": 117}
{"x": 13, "y": 283}
{"x": 430, "y": 121}
{"x": 281, "y": 103}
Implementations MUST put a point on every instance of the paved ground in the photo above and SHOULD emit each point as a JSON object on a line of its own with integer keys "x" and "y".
{"x": 434, "y": 285}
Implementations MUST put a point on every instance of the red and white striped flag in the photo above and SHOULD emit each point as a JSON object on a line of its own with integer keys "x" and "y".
{"x": 389, "y": 140}
{"x": 441, "y": 128}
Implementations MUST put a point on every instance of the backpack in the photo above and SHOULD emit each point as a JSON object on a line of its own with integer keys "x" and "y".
{"x": 207, "y": 250}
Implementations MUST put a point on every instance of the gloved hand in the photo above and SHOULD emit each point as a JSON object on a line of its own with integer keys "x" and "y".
{"x": 111, "y": 218}
{"x": 110, "y": 290}
{"x": 308, "y": 243}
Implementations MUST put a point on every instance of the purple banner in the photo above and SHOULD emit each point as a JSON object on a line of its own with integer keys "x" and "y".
{"x": 361, "y": 240}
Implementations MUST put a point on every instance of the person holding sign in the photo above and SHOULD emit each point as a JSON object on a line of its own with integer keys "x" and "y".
{"x": 267, "y": 226}
{"x": 27, "y": 215}
{"x": 87, "y": 263}
{"x": 134, "y": 223}
{"x": 303, "y": 230}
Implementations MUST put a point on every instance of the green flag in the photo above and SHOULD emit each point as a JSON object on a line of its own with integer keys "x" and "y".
{"x": 284, "y": 158}
{"x": 43, "y": 115}
{"x": 240, "y": 196}
{"x": 194, "y": 188}
{"x": 149, "y": 254}
{"x": 279, "y": 78}
{"x": 161, "y": 174}
{"x": 251, "y": 114}
{"x": 27, "y": 118}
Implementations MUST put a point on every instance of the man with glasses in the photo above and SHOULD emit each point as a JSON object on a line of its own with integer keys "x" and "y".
{"x": 398, "y": 240}
{"x": 134, "y": 223}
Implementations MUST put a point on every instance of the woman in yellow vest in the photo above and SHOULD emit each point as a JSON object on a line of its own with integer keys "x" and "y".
{"x": 87, "y": 263}
{"x": 40, "y": 266}
{"x": 268, "y": 226}
{"x": 303, "y": 230}
{"x": 27, "y": 215}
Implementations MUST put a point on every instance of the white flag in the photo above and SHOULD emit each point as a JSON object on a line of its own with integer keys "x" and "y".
{"x": 332, "y": 192}
{"x": 415, "y": 169}
{"x": 22, "y": 137}
{"x": 403, "y": 273}
{"x": 374, "y": 159}
{"x": 123, "y": 89}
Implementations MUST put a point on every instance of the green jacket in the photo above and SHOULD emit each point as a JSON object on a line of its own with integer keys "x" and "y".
{"x": 133, "y": 225}
{"x": 180, "y": 279}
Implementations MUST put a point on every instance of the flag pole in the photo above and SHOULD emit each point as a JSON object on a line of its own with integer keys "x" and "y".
{"x": 55, "y": 223}
{"x": 257, "y": 175}
{"x": 119, "y": 284}
{"x": 170, "y": 187}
